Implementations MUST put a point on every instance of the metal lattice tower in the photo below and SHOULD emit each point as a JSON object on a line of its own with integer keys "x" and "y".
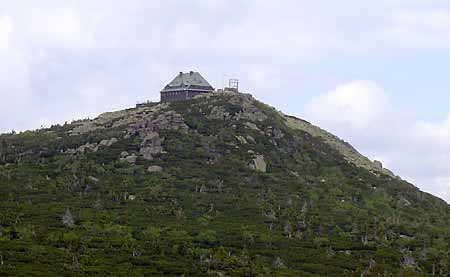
{"x": 233, "y": 84}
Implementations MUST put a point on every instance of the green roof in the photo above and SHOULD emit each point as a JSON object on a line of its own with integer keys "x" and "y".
{"x": 188, "y": 81}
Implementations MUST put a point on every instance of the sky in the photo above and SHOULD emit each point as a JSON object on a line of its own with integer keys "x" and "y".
{"x": 375, "y": 73}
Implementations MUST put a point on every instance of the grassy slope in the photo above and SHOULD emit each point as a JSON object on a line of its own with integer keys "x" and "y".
{"x": 313, "y": 213}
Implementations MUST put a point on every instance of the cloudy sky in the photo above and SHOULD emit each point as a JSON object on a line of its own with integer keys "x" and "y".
{"x": 373, "y": 72}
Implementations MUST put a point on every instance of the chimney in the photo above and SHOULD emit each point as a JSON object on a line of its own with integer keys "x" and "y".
{"x": 181, "y": 73}
{"x": 191, "y": 72}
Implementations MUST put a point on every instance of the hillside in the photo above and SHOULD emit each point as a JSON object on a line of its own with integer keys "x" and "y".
{"x": 220, "y": 185}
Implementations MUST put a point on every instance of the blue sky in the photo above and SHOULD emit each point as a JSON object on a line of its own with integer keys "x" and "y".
{"x": 372, "y": 72}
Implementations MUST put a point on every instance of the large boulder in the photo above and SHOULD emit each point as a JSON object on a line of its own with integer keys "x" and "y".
{"x": 108, "y": 142}
{"x": 259, "y": 164}
{"x": 88, "y": 146}
{"x": 154, "y": 168}
{"x": 378, "y": 164}
{"x": 130, "y": 159}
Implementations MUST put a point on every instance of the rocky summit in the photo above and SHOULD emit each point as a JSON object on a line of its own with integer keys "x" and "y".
{"x": 217, "y": 185}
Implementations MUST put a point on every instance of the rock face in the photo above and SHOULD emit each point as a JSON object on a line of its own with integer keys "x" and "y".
{"x": 249, "y": 109}
{"x": 247, "y": 105}
{"x": 151, "y": 146}
{"x": 169, "y": 120}
{"x": 147, "y": 130}
{"x": 116, "y": 119}
{"x": 219, "y": 113}
{"x": 259, "y": 164}
{"x": 378, "y": 164}
{"x": 94, "y": 147}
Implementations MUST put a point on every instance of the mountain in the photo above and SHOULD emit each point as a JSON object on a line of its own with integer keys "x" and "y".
{"x": 220, "y": 185}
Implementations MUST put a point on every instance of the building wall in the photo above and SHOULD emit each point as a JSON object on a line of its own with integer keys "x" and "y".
{"x": 169, "y": 96}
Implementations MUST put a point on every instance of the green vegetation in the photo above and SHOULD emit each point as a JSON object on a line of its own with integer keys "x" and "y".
{"x": 66, "y": 212}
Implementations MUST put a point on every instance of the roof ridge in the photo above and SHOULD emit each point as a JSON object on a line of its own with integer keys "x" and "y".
{"x": 189, "y": 80}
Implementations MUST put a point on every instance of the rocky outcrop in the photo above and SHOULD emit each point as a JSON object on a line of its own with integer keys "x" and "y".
{"x": 249, "y": 109}
{"x": 166, "y": 121}
{"x": 147, "y": 130}
{"x": 94, "y": 147}
{"x": 151, "y": 146}
{"x": 247, "y": 105}
{"x": 219, "y": 113}
{"x": 116, "y": 119}
{"x": 88, "y": 146}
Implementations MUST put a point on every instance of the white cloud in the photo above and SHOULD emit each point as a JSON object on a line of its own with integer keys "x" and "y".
{"x": 5, "y": 31}
{"x": 60, "y": 28}
{"x": 419, "y": 29}
{"x": 357, "y": 104}
{"x": 439, "y": 132}
{"x": 361, "y": 112}
{"x": 15, "y": 87}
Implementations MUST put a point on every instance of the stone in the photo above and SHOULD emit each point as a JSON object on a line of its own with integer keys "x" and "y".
{"x": 378, "y": 164}
{"x": 88, "y": 146}
{"x": 295, "y": 173}
{"x": 250, "y": 139}
{"x": 107, "y": 142}
{"x": 241, "y": 139}
{"x": 131, "y": 159}
{"x": 67, "y": 219}
{"x": 259, "y": 164}
{"x": 92, "y": 178}
{"x": 251, "y": 126}
{"x": 154, "y": 168}
{"x": 146, "y": 153}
